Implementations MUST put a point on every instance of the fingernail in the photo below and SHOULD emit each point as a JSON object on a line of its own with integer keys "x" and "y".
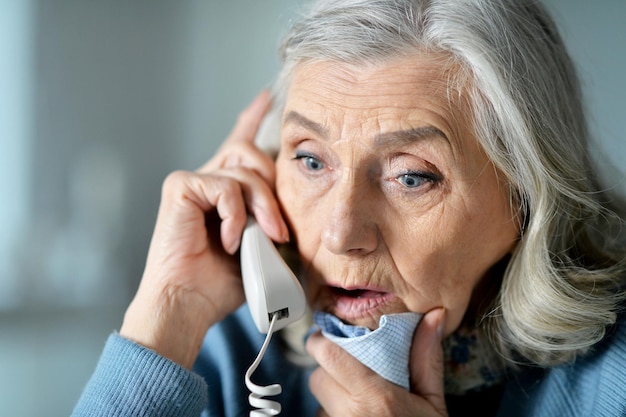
{"x": 233, "y": 247}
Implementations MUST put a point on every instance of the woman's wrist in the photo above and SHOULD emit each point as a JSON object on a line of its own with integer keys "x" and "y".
{"x": 172, "y": 324}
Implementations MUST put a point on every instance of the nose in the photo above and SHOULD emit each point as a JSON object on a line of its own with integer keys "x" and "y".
{"x": 350, "y": 226}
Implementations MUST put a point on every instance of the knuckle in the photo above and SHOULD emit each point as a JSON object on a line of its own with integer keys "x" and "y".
{"x": 329, "y": 354}
{"x": 174, "y": 180}
{"x": 372, "y": 399}
{"x": 182, "y": 182}
{"x": 228, "y": 185}
{"x": 385, "y": 403}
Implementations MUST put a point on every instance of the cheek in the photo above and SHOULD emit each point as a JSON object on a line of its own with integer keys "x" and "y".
{"x": 438, "y": 279}
{"x": 284, "y": 189}
{"x": 294, "y": 198}
{"x": 299, "y": 213}
{"x": 435, "y": 263}
{"x": 445, "y": 254}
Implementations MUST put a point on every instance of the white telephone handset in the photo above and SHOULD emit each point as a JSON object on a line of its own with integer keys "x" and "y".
{"x": 270, "y": 286}
{"x": 275, "y": 298}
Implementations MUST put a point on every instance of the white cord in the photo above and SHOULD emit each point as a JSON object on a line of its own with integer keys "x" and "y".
{"x": 263, "y": 406}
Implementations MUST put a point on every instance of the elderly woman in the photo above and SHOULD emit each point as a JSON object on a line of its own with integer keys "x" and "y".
{"x": 423, "y": 157}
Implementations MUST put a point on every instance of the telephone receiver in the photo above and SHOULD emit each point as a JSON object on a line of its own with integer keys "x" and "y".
{"x": 271, "y": 288}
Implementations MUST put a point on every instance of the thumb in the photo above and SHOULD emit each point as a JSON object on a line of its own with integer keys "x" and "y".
{"x": 426, "y": 363}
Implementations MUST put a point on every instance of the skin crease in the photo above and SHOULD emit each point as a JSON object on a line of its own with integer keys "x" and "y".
{"x": 357, "y": 223}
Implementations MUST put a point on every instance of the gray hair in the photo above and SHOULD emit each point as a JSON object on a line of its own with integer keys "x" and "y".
{"x": 564, "y": 283}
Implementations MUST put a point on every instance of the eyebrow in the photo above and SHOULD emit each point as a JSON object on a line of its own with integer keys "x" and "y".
{"x": 407, "y": 136}
{"x": 299, "y": 119}
{"x": 410, "y": 135}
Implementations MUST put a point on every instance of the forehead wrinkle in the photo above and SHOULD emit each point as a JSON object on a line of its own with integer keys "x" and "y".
{"x": 303, "y": 121}
{"x": 410, "y": 136}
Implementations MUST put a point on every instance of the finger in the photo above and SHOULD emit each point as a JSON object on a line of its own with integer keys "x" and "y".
{"x": 329, "y": 394}
{"x": 426, "y": 363}
{"x": 341, "y": 383}
{"x": 260, "y": 201}
{"x": 187, "y": 197}
{"x": 242, "y": 154}
{"x": 233, "y": 193}
{"x": 250, "y": 118}
{"x": 323, "y": 386}
{"x": 338, "y": 364}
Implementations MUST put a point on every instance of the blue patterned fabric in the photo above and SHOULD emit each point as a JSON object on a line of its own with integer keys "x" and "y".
{"x": 385, "y": 350}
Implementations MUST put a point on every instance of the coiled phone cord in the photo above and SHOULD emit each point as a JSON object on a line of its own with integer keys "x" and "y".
{"x": 264, "y": 407}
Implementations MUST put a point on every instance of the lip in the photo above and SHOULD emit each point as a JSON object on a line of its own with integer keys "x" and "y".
{"x": 352, "y": 304}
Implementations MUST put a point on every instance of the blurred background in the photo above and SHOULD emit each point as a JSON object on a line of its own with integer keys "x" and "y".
{"x": 99, "y": 101}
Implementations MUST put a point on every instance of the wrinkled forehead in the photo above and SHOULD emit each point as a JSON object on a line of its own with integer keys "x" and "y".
{"x": 402, "y": 93}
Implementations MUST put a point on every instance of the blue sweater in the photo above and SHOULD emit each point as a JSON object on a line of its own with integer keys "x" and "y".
{"x": 131, "y": 380}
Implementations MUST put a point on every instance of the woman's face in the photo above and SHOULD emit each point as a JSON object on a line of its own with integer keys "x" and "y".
{"x": 393, "y": 205}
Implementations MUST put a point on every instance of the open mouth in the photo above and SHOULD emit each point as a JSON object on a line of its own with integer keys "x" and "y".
{"x": 357, "y": 303}
{"x": 356, "y": 293}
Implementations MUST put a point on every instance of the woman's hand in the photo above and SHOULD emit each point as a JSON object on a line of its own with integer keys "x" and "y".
{"x": 345, "y": 387}
{"x": 192, "y": 278}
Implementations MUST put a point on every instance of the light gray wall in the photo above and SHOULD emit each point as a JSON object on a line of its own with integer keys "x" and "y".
{"x": 596, "y": 36}
{"x": 101, "y": 99}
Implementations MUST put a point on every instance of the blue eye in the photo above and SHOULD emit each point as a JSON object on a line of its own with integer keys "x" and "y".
{"x": 310, "y": 161}
{"x": 413, "y": 179}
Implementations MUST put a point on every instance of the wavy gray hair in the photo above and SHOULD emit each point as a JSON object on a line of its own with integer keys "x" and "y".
{"x": 564, "y": 283}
